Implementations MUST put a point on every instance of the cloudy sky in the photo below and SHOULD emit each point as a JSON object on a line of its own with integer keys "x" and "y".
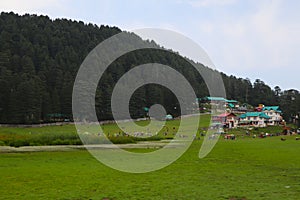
{"x": 246, "y": 38}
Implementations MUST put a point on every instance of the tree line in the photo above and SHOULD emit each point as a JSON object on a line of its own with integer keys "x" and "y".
{"x": 40, "y": 57}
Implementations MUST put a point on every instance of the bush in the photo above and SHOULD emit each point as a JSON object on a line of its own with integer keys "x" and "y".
{"x": 61, "y": 142}
{"x": 122, "y": 140}
{"x": 2, "y": 143}
{"x": 19, "y": 143}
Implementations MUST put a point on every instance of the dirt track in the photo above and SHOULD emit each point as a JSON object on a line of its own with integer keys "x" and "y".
{"x": 7, "y": 149}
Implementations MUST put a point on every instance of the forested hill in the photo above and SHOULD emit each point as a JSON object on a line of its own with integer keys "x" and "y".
{"x": 39, "y": 59}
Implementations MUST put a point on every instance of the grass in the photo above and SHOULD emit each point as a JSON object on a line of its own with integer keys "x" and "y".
{"x": 48, "y": 135}
{"x": 67, "y": 135}
{"x": 243, "y": 169}
{"x": 247, "y": 168}
{"x": 256, "y": 131}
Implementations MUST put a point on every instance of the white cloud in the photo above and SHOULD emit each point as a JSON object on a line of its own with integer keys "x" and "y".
{"x": 258, "y": 35}
{"x": 29, "y": 6}
{"x": 278, "y": 36}
{"x": 261, "y": 43}
{"x": 208, "y": 3}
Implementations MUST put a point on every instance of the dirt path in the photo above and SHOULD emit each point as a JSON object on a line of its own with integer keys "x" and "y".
{"x": 159, "y": 144}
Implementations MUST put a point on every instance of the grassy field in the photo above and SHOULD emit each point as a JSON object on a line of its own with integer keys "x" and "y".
{"x": 243, "y": 169}
{"x": 67, "y": 135}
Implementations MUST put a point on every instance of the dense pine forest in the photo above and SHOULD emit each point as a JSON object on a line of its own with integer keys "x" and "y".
{"x": 39, "y": 59}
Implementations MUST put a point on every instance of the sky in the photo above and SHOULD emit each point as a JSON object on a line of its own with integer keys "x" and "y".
{"x": 256, "y": 39}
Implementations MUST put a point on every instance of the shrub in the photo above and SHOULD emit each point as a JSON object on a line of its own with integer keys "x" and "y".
{"x": 19, "y": 143}
{"x": 122, "y": 140}
{"x": 2, "y": 143}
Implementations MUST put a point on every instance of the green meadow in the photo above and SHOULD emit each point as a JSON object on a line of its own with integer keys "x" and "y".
{"x": 242, "y": 169}
{"x": 67, "y": 134}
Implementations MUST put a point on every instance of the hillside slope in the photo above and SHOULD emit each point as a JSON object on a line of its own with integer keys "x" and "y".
{"x": 39, "y": 59}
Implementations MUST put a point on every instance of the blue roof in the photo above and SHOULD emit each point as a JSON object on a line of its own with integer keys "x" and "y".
{"x": 255, "y": 114}
{"x": 269, "y": 108}
{"x": 220, "y": 99}
{"x": 231, "y": 101}
{"x": 231, "y": 105}
{"x": 215, "y": 99}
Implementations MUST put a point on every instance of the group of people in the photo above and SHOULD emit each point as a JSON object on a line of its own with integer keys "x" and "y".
{"x": 230, "y": 137}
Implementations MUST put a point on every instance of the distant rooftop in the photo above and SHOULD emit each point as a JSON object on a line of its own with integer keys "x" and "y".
{"x": 215, "y": 98}
{"x": 269, "y": 108}
{"x": 254, "y": 114}
{"x": 226, "y": 114}
{"x": 220, "y": 99}
{"x": 231, "y": 101}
